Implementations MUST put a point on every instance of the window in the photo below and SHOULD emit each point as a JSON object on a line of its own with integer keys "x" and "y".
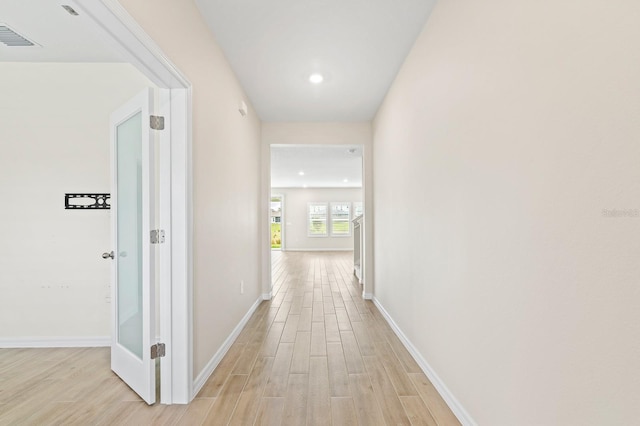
{"x": 317, "y": 220}
{"x": 340, "y": 219}
{"x": 357, "y": 209}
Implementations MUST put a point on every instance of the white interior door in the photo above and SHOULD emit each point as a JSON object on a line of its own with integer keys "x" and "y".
{"x": 132, "y": 209}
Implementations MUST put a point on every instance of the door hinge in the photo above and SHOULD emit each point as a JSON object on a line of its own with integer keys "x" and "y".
{"x": 157, "y": 236}
{"x": 156, "y": 122}
{"x": 157, "y": 351}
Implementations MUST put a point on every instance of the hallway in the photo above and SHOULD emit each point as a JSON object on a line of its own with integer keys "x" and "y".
{"x": 319, "y": 354}
{"x": 315, "y": 354}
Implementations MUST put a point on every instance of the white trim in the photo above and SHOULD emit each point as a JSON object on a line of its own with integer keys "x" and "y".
{"x": 267, "y": 296}
{"x": 458, "y": 410}
{"x": 206, "y": 372}
{"x": 118, "y": 29}
{"x": 121, "y": 31}
{"x": 164, "y": 250}
{"x": 181, "y": 246}
{"x": 319, "y": 249}
{"x": 55, "y": 342}
{"x": 265, "y": 204}
{"x": 367, "y": 247}
{"x": 367, "y": 296}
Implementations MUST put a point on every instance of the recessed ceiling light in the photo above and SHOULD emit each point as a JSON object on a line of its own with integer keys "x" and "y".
{"x": 304, "y": 186}
{"x": 316, "y": 78}
{"x": 301, "y": 173}
{"x": 346, "y": 180}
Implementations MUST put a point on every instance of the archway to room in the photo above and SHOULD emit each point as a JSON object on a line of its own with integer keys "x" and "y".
{"x": 315, "y": 194}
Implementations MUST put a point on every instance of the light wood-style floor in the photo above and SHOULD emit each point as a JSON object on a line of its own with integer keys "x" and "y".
{"x": 316, "y": 354}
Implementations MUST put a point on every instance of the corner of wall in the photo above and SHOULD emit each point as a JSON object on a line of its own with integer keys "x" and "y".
{"x": 208, "y": 369}
{"x": 456, "y": 407}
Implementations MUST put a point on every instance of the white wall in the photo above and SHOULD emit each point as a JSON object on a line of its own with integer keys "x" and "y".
{"x": 226, "y": 176}
{"x": 296, "y": 201}
{"x": 511, "y": 126}
{"x": 345, "y": 133}
{"x": 54, "y": 138}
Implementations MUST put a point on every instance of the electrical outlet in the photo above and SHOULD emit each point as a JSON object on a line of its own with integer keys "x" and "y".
{"x": 241, "y": 287}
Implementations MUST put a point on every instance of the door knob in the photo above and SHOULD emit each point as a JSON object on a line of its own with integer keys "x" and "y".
{"x": 107, "y": 255}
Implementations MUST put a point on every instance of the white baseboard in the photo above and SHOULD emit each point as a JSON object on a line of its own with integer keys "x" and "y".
{"x": 267, "y": 296}
{"x": 320, "y": 249}
{"x": 55, "y": 342}
{"x": 206, "y": 372}
{"x": 463, "y": 416}
{"x": 367, "y": 296}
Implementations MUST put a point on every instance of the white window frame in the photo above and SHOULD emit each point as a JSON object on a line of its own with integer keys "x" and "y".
{"x": 353, "y": 208}
{"x": 326, "y": 220}
{"x": 347, "y": 221}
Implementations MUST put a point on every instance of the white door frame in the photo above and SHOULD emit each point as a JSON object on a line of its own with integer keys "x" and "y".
{"x": 124, "y": 34}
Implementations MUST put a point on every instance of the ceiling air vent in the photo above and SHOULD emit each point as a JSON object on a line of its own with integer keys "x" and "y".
{"x": 12, "y": 38}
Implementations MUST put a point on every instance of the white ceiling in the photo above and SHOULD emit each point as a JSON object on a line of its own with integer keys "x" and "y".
{"x": 60, "y": 36}
{"x": 324, "y": 166}
{"x": 274, "y": 45}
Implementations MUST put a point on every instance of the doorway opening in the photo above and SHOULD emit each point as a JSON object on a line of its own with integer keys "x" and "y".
{"x": 80, "y": 101}
{"x": 322, "y": 185}
{"x": 276, "y": 228}
{"x": 174, "y": 200}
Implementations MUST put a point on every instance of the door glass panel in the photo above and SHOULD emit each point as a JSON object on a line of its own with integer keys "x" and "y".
{"x": 129, "y": 214}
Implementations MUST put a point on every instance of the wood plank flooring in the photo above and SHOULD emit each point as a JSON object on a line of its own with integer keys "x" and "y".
{"x": 316, "y": 354}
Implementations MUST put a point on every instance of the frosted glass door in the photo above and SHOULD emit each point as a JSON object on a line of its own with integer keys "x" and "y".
{"x": 129, "y": 228}
{"x": 132, "y": 210}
